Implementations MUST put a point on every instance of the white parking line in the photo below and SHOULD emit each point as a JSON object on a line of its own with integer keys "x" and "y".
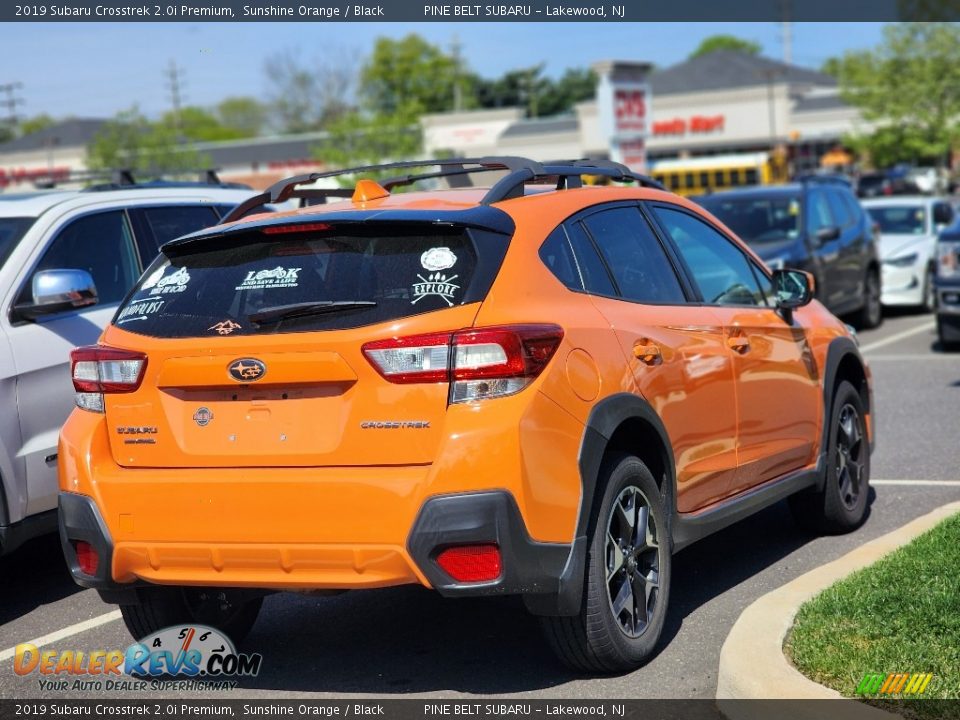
{"x": 897, "y": 337}
{"x": 940, "y": 483}
{"x": 66, "y": 632}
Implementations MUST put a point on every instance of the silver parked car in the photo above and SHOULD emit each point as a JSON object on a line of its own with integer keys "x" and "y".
{"x": 67, "y": 259}
{"x": 909, "y": 225}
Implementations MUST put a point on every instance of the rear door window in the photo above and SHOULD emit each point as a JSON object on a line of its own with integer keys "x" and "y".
{"x": 636, "y": 259}
{"x": 257, "y": 283}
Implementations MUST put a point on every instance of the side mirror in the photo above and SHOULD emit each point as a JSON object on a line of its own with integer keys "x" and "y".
{"x": 56, "y": 291}
{"x": 793, "y": 289}
{"x": 827, "y": 234}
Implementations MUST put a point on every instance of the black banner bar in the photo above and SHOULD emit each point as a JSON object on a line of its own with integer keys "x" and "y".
{"x": 466, "y": 708}
{"x": 438, "y": 11}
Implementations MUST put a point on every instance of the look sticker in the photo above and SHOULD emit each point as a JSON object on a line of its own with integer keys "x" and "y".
{"x": 278, "y": 277}
{"x": 440, "y": 258}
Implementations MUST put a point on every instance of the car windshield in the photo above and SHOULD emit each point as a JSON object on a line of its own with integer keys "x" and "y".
{"x": 758, "y": 219}
{"x": 11, "y": 230}
{"x": 900, "y": 219}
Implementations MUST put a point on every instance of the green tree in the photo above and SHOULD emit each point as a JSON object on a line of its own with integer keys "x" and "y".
{"x": 130, "y": 141}
{"x": 245, "y": 114}
{"x": 909, "y": 87}
{"x": 575, "y": 85}
{"x": 36, "y": 124}
{"x": 408, "y": 77}
{"x": 198, "y": 125}
{"x": 309, "y": 96}
{"x": 726, "y": 42}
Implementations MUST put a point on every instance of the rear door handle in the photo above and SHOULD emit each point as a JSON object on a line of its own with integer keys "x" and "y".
{"x": 739, "y": 343}
{"x": 647, "y": 352}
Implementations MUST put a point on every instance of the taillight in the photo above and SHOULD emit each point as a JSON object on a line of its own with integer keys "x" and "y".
{"x": 480, "y": 363}
{"x": 97, "y": 370}
{"x": 471, "y": 563}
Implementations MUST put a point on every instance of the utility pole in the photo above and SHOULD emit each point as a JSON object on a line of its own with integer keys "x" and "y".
{"x": 455, "y": 48}
{"x": 10, "y": 103}
{"x": 786, "y": 32}
{"x": 174, "y": 76}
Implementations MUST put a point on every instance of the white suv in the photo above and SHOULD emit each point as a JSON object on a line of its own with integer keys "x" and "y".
{"x": 67, "y": 259}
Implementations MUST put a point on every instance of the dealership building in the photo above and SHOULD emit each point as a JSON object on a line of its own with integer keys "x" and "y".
{"x": 720, "y": 103}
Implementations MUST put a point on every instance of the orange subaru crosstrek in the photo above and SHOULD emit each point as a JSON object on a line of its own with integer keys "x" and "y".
{"x": 536, "y": 388}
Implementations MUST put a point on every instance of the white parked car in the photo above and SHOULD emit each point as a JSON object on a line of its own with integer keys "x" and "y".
{"x": 908, "y": 226}
{"x": 67, "y": 259}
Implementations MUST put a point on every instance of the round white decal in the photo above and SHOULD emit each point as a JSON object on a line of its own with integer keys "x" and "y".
{"x": 439, "y": 258}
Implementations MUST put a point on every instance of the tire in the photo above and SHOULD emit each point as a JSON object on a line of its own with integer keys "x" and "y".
{"x": 841, "y": 506}
{"x": 929, "y": 303}
{"x": 162, "y": 606}
{"x": 871, "y": 314}
{"x": 598, "y": 639}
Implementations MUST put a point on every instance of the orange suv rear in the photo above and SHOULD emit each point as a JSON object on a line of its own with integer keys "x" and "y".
{"x": 537, "y": 388}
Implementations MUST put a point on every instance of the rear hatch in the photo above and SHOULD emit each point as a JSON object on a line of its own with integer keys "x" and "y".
{"x": 254, "y": 344}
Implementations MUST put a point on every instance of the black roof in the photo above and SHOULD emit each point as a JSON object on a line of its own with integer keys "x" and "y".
{"x": 68, "y": 133}
{"x": 726, "y": 69}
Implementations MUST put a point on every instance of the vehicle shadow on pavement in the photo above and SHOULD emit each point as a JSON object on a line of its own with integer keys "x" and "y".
{"x": 34, "y": 574}
{"x": 410, "y": 640}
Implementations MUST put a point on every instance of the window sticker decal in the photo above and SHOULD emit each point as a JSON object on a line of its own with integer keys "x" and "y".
{"x": 154, "y": 278}
{"x": 139, "y": 310}
{"x": 225, "y": 327}
{"x": 278, "y": 277}
{"x": 436, "y": 285}
{"x": 172, "y": 283}
{"x": 440, "y": 258}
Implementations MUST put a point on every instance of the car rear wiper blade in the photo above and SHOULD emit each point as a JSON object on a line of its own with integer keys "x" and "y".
{"x": 304, "y": 309}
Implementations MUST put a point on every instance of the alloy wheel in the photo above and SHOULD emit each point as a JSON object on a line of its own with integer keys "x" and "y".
{"x": 632, "y": 562}
{"x": 849, "y": 456}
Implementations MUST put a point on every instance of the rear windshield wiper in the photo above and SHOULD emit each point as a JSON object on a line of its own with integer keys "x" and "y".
{"x": 304, "y": 309}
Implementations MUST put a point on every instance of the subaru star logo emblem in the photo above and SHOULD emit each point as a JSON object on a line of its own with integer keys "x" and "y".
{"x": 247, "y": 370}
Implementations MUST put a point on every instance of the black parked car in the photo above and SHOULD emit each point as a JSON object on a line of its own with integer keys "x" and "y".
{"x": 948, "y": 287}
{"x": 815, "y": 225}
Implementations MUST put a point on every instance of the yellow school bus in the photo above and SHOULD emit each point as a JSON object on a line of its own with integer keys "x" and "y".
{"x": 696, "y": 176}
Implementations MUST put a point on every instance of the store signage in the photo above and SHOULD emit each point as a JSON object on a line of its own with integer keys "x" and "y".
{"x": 14, "y": 176}
{"x": 696, "y": 124}
{"x": 623, "y": 104}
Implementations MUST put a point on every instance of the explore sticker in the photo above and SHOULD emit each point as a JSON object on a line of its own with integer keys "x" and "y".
{"x": 436, "y": 285}
{"x": 440, "y": 258}
{"x": 278, "y": 277}
{"x": 172, "y": 283}
{"x": 139, "y": 310}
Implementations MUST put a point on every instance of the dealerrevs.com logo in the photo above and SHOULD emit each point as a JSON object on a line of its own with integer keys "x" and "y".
{"x": 187, "y": 656}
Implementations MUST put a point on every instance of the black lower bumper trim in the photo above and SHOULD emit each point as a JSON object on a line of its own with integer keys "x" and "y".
{"x": 532, "y": 569}
{"x": 80, "y": 520}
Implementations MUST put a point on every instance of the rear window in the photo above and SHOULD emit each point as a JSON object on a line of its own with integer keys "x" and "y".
{"x": 325, "y": 280}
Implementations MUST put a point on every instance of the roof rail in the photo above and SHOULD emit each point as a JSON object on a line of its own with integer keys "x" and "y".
{"x": 125, "y": 179}
{"x": 520, "y": 171}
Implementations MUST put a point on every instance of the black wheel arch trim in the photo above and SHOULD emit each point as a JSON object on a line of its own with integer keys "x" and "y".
{"x": 839, "y": 349}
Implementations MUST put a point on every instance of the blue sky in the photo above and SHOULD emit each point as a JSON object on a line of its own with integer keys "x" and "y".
{"x": 97, "y": 69}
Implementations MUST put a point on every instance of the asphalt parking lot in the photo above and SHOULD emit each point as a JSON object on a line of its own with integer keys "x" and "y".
{"x": 408, "y": 641}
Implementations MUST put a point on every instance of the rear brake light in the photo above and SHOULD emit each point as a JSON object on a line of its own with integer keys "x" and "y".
{"x": 96, "y": 370}
{"x": 87, "y": 557}
{"x": 471, "y": 563}
{"x": 480, "y": 362}
{"x": 300, "y": 227}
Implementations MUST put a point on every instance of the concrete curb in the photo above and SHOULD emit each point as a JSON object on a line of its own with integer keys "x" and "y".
{"x": 752, "y": 663}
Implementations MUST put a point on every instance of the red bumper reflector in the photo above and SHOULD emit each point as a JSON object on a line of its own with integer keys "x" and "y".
{"x": 87, "y": 557}
{"x": 471, "y": 563}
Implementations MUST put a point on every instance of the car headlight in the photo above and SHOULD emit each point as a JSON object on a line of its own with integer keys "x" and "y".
{"x": 948, "y": 259}
{"x": 902, "y": 262}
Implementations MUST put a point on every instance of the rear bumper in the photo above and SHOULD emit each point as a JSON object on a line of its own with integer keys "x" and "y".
{"x": 529, "y": 567}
